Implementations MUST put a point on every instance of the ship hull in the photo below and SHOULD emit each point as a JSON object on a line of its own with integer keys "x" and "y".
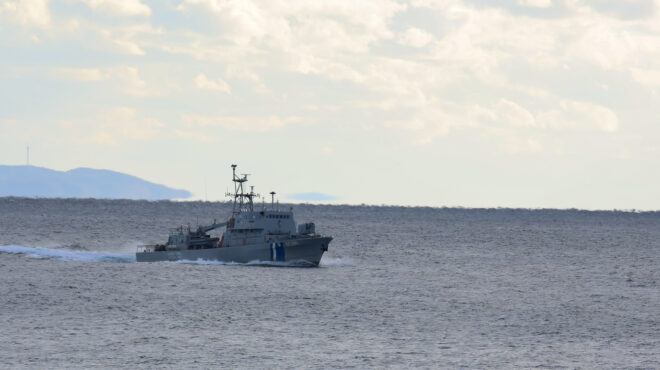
{"x": 295, "y": 251}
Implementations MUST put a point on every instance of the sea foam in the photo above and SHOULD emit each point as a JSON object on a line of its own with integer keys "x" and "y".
{"x": 250, "y": 263}
{"x": 68, "y": 254}
{"x": 92, "y": 256}
{"x": 336, "y": 262}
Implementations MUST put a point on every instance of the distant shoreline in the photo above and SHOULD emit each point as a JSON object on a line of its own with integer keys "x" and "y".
{"x": 334, "y": 205}
{"x": 33, "y": 181}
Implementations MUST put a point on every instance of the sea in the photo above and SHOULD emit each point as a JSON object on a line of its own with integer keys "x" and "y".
{"x": 400, "y": 287}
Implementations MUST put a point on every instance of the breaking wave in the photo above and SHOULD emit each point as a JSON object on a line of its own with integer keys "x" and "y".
{"x": 251, "y": 263}
{"x": 81, "y": 255}
{"x": 336, "y": 262}
{"x": 68, "y": 254}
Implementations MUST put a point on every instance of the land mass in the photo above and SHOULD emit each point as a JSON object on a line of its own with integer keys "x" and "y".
{"x": 32, "y": 181}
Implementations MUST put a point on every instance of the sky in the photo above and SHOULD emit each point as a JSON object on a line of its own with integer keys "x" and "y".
{"x": 475, "y": 103}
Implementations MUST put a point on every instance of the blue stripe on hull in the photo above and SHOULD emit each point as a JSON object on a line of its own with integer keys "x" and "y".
{"x": 277, "y": 253}
{"x": 280, "y": 252}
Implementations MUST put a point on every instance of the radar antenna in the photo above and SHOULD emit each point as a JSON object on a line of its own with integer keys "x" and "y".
{"x": 243, "y": 202}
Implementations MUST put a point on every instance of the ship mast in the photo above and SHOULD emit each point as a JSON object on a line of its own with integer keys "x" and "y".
{"x": 243, "y": 202}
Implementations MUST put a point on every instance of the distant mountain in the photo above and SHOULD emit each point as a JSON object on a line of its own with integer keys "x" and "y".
{"x": 31, "y": 181}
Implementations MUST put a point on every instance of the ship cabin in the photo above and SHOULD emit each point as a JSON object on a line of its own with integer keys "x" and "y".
{"x": 272, "y": 222}
{"x": 247, "y": 226}
{"x": 258, "y": 226}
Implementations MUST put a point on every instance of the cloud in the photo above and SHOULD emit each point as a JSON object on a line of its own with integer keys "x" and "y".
{"x": 119, "y": 7}
{"x": 505, "y": 113}
{"x": 82, "y": 74}
{"x": 243, "y": 72}
{"x": 516, "y": 144}
{"x": 117, "y": 125}
{"x": 473, "y": 73}
{"x": 250, "y": 124}
{"x": 129, "y": 81}
{"x": 342, "y": 24}
{"x": 34, "y": 13}
{"x": 200, "y": 136}
{"x": 416, "y": 37}
{"x": 202, "y": 82}
{"x": 128, "y": 47}
{"x": 519, "y": 129}
{"x": 125, "y": 78}
{"x": 649, "y": 77}
{"x": 312, "y": 197}
{"x": 535, "y": 3}
{"x": 574, "y": 115}
{"x": 128, "y": 39}
{"x": 476, "y": 50}
{"x": 300, "y": 36}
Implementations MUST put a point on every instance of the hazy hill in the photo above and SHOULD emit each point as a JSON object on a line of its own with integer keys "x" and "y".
{"x": 31, "y": 181}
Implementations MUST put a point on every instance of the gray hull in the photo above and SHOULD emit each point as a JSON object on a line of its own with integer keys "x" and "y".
{"x": 298, "y": 251}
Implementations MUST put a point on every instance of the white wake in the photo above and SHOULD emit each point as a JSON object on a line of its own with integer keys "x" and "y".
{"x": 68, "y": 254}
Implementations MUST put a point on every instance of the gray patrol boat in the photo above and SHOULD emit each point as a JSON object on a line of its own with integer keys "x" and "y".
{"x": 264, "y": 236}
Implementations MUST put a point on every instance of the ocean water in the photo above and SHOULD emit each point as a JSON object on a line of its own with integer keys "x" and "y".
{"x": 398, "y": 288}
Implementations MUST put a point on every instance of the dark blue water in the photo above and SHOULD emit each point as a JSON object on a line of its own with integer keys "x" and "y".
{"x": 399, "y": 287}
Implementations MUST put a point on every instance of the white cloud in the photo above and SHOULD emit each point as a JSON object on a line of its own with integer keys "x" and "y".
{"x": 113, "y": 127}
{"x": 517, "y": 128}
{"x": 435, "y": 4}
{"x": 28, "y": 12}
{"x": 303, "y": 27}
{"x": 516, "y": 144}
{"x": 485, "y": 76}
{"x": 202, "y": 82}
{"x": 123, "y": 43}
{"x": 130, "y": 82}
{"x": 245, "y": 73}
{"x": 650, "y": 77}
{"x": 416, "y": 37}
{"x": 119, "y": 7}
{"x": 535, "y": 3}
{"x": 250, "y": 124}
{"x": 128, "y": 47}
{"x": 125, "y": 78}
{"x": 82, "y": 74}
{"x": 476, "y": 43}
{"x": 505, "y": 113}
{"x": 573, "y": 115}
{"x": 430, "y": 122}
{"x": 200, "y": 136}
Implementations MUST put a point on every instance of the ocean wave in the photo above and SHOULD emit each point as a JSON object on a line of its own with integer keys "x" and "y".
{"x": 205, "y": 262}
{"x": 68, "y": 254}
{"x": 336, "y": 262}
{"x": 251, "y": 263}
{"x": 80, "y": 255}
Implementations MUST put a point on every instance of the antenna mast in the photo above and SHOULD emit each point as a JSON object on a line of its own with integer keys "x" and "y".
{"x": 28, "y": 154}
{"x": 242, "y": 201}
